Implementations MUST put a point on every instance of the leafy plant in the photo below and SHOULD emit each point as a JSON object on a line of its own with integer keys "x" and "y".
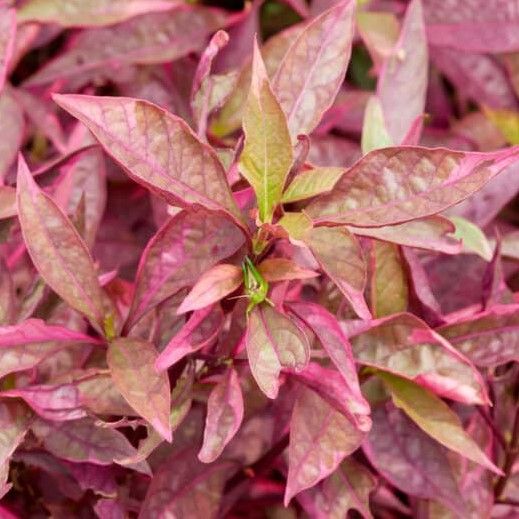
{"x": 235, "y": 283}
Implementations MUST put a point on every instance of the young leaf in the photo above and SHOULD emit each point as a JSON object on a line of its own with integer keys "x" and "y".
{"x": 7, "y": 40}
{"x": 311, "y": 183}
{"x": 472, "y": 237}
{"x": 389, "y": 290}
{"x": 320, "y": 438}
{"x": 267, "y": 154}
{"x": 78, "y": 13}
{"x": 58, "y": 252}
{"x": 188, "y": 245}
{"x": 340, "y": 256}
{"x": 410, "y": 459}
{"x": 402, "y": 84}
{"x": 131, "y": 362}
{"x": 185, "y": 487}
{"x": 282, "y": 269}
{"x": 175, "y": 164}
{"x": 374, "y": 132}
{"x": 435, "y": 418}
{"x": 215, "y": 284}
{"x": 313, "y": 68}
{"x": 274, "y": 342}
{"x": 404, "y": 345}
{"x": 415, "y": 182}
{"x": 199, "y": 331}
{"x": 224, "y": 416}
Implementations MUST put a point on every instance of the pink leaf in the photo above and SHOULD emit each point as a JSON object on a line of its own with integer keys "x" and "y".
{"x": 175, "y": 165}
{"x": 199, "y": 331}
{"x": 58, "y": 252}
{"x": 12, "y": 127}
{"x": 215, "y": 284}
{"x": 320, "y": 438}
{"x": 273, "y": 343}
{"x": 7, "y": 38}
{"x": 186, "y": 246}
{"x": 396, "y": 185}
{"x": 132, "y": 362}
{"x": 322, "y": 50}
{"x": 283, "y": 269}
{"x": 224, "y": 416}
{"x": 15, "y": 420}
{"x": 404, "y": 345}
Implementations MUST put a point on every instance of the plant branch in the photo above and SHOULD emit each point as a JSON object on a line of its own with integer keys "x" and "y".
{"x": 496, "y": 432}
{"x": 511, "y": 453}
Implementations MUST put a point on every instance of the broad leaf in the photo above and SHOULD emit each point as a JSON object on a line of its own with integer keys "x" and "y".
{"x": 395, "y": 185}
{"x": 410, "y": 460}
{"x": 340, "y": 257}
{"x": 176, "y": 165}
{"x": 199, "y": 331}
{"x": 147, "y": 39}
{"x": 274, "y": 343}
{"x": 404, "y": 345}
{"x": 282, "y": 269}
{"x": 311, "y": 183}
{"x": 313, "y": 68}
{"x": 7, "y": 39}
{"x": 131, "y": 362}
{"x": 435, "y": 418}
{"x": 347, "y": 488}
{"x": 58, "y": 251}
{"x": 213, "y": 285}
{"x": 389, "y": 290}
{"x": 77, "y": 13}
{"x": 402, "y": 84}
{"x": 320, "y": 438}
{"x": 224, "y": 416}
{"x": 185, "y": 487}
{"x": 186, "y": 246}
{"x": 267, "y": 154}
{"x": 489, "y": 338}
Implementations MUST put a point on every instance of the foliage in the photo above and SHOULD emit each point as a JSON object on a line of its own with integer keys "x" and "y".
{"x": 236, "y": 280}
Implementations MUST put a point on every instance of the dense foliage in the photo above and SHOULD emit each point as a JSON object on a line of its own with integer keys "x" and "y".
{"x": 259, "y": 260}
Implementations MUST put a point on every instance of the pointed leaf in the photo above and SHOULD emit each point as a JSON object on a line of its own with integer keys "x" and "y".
{"x": 224, "y": 416}
{"x": 472, "y": 237}
{"x": 410, "y": 460}
{"x": 132, "y": 362}
{"x": 274, "y": 342}
{"x": 395, "y": 185}
{"x": 215, "y": 284}
{"x": 185, "y": 487}
{"x": 404, "y": 345}
{"x": 320, "y": 438}
{"x": 402, "y": 84}
{"x": 282, "y": 269}
{"x": 78, "y": 13}
{"x": 435, "y": 418}
{"x": 313, "y": 68}
{"x": 340, "y": 256}
{"x": 389, "y": 291}
{"x": 311, "y": 183}
{"x": 267, "y": 154}
{"x": 12, "y": 127}
{"x": 186, "y": 246}
{"x": 58, "y": 252}
{"x": 7, "y": 40}
{"x": 199, "y": 331}
{"x": 176, "y": 165}
{"x": 374, "y": 131}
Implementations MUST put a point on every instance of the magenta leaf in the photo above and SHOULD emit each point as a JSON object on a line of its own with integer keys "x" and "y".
{"x": 416, "y": 182}
{"x": 282, "y": 269}
{"x": 411, "y": 460}
{"x": 224, "y": 416}
{"x": 186, "y": 246}
{"x": 200, "y": 330}
{"x": 132, "y": 361}
{"x": 323, "y": 51}
{"x": 185, "y": 487}
{"x": 7, "y": 38}
{"x": 402, "y": 83}
{"x": 58, "y": 252}
{"x": 404, "y": 345}
{"x": 176, "y": 165}
{"x": 320, "y": 438}
{"x": 274, "y": 343}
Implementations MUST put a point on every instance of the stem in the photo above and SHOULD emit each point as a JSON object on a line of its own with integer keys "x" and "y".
{"x": 511, "y": 454}
{"x": 497, "y": 433}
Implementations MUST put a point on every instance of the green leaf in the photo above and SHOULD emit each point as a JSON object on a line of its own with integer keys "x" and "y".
{"x": 435, "y": 418}
{"x": 472, "y": 237}
{"x": 507, "y": 122}
{"x": 374, "y": 132}
{"x": 312, "y": 183}
{"x": 267, "y": 154}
